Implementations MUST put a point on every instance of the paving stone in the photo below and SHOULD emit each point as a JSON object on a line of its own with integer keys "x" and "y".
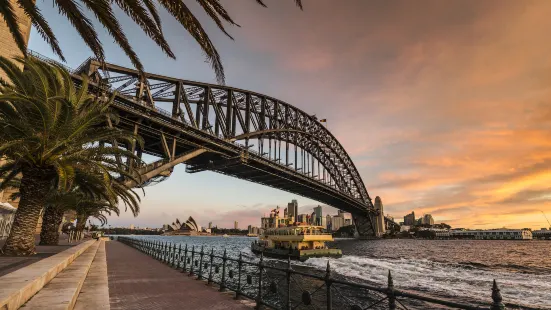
{"x": 137, "y": 281}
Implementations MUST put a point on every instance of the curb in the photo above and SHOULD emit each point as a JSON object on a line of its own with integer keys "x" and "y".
{"x": 19, "y": 286}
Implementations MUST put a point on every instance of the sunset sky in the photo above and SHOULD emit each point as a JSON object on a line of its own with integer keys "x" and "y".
{"x": 444, "y": 106}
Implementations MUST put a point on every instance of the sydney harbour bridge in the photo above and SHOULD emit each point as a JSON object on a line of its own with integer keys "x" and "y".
{"x": 234, "y": 132}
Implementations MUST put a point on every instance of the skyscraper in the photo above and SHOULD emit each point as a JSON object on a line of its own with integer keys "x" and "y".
{"x": 427, "y": 219}
{"x": 409, "y": 220}
{"x": 292, "y": 210}
{"x": 210, "y": 225}
{"x": 317, "y": 216}
{"x": 235, "y": 225}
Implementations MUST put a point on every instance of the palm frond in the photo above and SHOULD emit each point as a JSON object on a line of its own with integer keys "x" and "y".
{"x": 82, "y": 24}
{"x": 154, "y": 13}
{"x": 7, "y": 11}
{"x": 103, "y": 12}
{"x": 135, "y": 10}
{"x": 41, "y": 25}
{"x": 215, "y": 11}
{"x": 185, "y": 17}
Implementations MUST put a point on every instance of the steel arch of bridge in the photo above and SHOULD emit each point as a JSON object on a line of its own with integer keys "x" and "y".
{"x": 270, "y": 128}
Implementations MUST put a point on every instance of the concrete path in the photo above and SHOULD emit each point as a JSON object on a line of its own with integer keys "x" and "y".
{"x": 137, "y": 281}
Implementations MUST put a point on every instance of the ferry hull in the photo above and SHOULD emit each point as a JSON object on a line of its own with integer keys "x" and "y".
{"x": 301, "y": 255}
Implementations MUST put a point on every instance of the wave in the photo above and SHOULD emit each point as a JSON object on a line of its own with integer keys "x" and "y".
{"x": 469, "y": 282}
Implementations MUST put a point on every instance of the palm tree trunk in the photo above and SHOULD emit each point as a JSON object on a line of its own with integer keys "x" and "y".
{"x": 81, "y": 222}
{"x": 49, "y": 235}
{"x": 35, "y": 185}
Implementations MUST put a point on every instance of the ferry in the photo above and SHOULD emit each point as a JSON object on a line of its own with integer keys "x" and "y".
{"x": 297, "y": 242}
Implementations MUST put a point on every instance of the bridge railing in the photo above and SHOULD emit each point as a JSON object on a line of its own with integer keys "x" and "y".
{"x": 279, "y": 285}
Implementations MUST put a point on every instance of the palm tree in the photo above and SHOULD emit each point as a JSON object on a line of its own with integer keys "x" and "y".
{"x": 143, "y": 13}
{"x": 92, "y": 208}
{"x": 49, "y": 133}
{"x": 88, "y": 190}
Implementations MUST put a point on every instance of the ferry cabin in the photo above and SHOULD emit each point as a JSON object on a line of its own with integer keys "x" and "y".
{"x": 296, "y": 238}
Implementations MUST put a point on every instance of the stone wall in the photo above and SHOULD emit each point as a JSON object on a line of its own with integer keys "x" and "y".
{"x": 8, "y": 48}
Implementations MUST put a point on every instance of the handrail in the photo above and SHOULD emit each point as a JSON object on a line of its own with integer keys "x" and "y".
{"x": 260, "y": 275}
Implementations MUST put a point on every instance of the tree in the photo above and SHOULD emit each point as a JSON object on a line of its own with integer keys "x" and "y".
{"x": 143, "y": 13}
{"x": 49, "y": 135}
{"x": 87, "y": 195}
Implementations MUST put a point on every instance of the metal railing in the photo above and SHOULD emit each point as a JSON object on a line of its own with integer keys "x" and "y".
{"x": 280, "y": 285}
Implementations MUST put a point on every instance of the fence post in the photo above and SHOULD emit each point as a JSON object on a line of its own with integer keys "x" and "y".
{"x": 390, "y": 293}
{"x": 496, "y": 298}
{"x": 200, "y": 276}
{"x": 192, "y": 260}
{"x": 328, "y": 285}
{"x": 260, "y": 268}
{"x": 158, "y": 250}
{"x": 289, "y": 274}
{"x": 239, "y": 266}
{"x": 174, "y": 256}
{"x": 223, "y": 282}
{"x": 211, "y": 265}
{"x": 166, "y": 250}
{"x": 185, "y": 260}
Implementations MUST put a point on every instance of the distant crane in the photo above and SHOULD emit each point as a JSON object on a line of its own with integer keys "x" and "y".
{"x": 546, "y": 219}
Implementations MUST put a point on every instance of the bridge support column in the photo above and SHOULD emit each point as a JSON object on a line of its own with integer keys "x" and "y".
{"x": 369, "y": 225}
{"x": 365, "y": 225}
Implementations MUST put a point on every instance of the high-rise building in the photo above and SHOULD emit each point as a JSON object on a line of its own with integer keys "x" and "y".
{"x": 427, "y": 219}
{"x": 292, "y": 210}
{"x": 337, "y": 222}
{"x": 409, "y": 220}
{"x": 131, "y": 226}
{"x": 302, "y": 218}
{"x": 210, "y": 225}
{"x": 235, "y": 225}
{"x": 317, "y": 216}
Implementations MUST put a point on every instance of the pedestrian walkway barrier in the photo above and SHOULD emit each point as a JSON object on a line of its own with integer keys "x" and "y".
{"x": 284, "y": 286}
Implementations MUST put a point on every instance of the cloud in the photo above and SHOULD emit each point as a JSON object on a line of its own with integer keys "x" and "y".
{"x": 443, "y": 105}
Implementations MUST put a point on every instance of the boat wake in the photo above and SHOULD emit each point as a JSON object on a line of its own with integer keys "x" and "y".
{"x": 468, "y": 283}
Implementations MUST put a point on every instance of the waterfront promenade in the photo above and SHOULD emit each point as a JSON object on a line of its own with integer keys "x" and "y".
{"x": 104, "y": 274}
{"x": 137, "y": 281}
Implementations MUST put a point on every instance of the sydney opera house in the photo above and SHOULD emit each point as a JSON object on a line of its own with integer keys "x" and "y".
{"x": 189, "y": 228}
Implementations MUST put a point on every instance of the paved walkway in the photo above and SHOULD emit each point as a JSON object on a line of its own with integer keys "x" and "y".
{"x": 12, "y": 263}
{"x": 137, "y": 281}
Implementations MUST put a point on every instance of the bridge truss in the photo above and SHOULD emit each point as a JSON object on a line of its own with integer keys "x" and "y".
{"x": 241, "y": 133}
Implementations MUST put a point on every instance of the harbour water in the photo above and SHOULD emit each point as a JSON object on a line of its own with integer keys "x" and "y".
{"x": 461, "y": 270}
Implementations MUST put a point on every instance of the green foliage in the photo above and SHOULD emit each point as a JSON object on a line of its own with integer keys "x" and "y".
{"x": 128, "y": 231}
{"x": 52, "y": 134}
{"x": 143, "y": 13}
{"x": 48, "y": 124}
{"x": 425, "y": 234}
{"x": 345, "y": 231}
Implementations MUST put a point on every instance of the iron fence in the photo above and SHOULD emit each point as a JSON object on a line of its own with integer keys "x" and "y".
{"x": 283, "y": 286}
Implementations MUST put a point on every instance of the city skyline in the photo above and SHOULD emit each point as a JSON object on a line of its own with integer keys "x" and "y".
{"x": 443, "y": 111}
